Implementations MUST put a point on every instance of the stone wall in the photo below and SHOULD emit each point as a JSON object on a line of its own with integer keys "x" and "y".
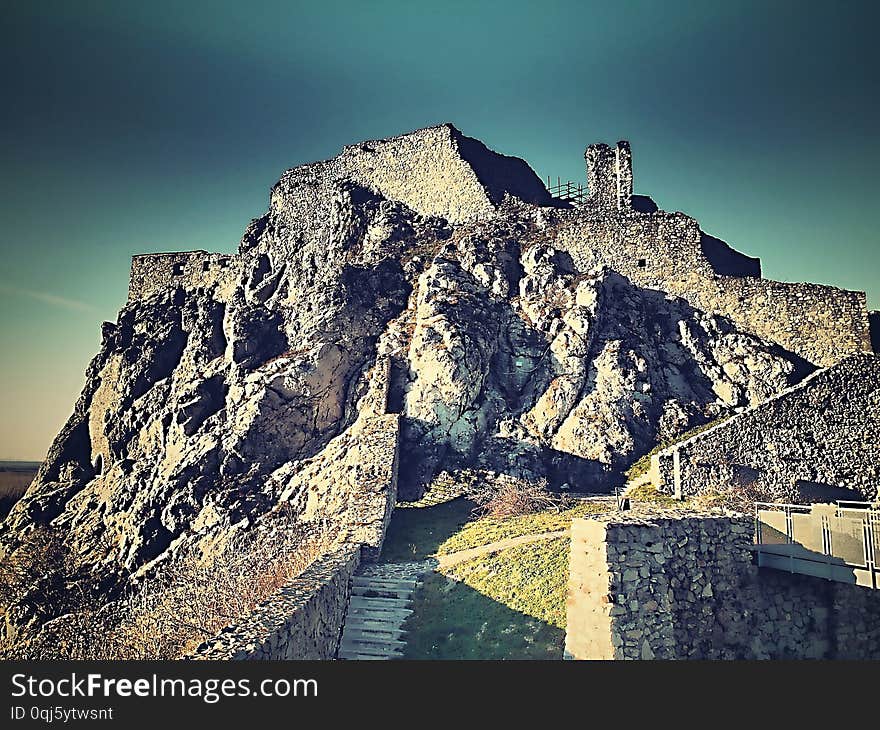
{"x": 436, "y": 171}
{"x": 822, "y": 435}
{"x": 303, "y": 620}
{"x": 675, "y": 586}
{"x": 152, "y": 273}
{"x": 668, "y": 251}
{"x": 609, "y": 175}
{"x": 874, "y": 322}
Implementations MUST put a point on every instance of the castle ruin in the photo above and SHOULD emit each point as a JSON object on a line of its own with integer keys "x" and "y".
{"x": 439, "y": 172}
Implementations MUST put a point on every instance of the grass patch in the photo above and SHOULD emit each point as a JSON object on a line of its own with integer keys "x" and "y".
{"x": 649, "y": 493}
{"x": 416, "y": 533}
{"x": 509, "y": 605}
{"x": 488, "y": 529}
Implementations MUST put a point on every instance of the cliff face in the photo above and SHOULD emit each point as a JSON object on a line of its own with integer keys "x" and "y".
{"x": 229, "y": 385}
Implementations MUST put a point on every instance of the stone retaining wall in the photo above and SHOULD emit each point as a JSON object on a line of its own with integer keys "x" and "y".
{"x": 303, "y": 620}
{"x": 674, "y": 586}
{"x": 822, "y": 435}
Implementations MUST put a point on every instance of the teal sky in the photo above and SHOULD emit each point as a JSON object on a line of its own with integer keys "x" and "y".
{"x": 131, "y": 127}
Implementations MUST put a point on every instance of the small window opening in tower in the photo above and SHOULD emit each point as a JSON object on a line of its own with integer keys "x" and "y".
{"x": 642, "y": 263}
{"x": 206, "y": 266}
{"x": 178, "y": 270}
{"x": 224, "y": 263}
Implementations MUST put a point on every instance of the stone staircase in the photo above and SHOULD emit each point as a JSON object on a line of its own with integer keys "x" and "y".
{"x": 378, "y": 606}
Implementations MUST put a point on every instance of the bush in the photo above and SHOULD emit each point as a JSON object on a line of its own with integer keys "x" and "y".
{"x": 506, "y": 496}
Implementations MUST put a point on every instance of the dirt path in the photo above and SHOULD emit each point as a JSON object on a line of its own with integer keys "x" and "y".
{"x": 447, "y": 561}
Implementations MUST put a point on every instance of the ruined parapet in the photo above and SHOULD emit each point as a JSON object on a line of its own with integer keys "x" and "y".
{"x": 874, "y": 327}
{"x": 819, "y": 439}
{"x": 436, "y": 171}
{"x": 668, "y": 584}
{"x": 668, "y": 251}
{"x": 609, "y": 175}
{"x": 153, "y": 273}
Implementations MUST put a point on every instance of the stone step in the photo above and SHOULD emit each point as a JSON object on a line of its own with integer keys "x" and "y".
{"x": 372, "y": 641}
{"x": 370, "y": 649}
{"x": 377, "y": 602}
{"x": 359, "y": 623}
{"x": 372, "y": 592}
{"x": 394, "y": 583}
{"x": 361, "y": 634}
{"x": 353, "y": 655}
{"x": 382, "y": 614}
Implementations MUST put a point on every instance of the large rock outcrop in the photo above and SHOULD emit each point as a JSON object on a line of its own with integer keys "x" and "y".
{"x": 231, "y": 384}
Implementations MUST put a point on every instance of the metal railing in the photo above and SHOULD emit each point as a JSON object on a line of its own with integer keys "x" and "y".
{"x": 570, "y": 192}
{"x": 838, "y": 541}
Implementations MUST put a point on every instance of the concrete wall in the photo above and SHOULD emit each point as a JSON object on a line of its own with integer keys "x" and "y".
{"x": 303, "y": 620}
{"x": 674, "y": 586}
{"x": 820, "y": 436}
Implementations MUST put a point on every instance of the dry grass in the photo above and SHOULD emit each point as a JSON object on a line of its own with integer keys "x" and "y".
{"x": 188, "y": 601}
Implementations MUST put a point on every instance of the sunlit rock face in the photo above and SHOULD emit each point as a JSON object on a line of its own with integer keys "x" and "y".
{"x": 232, "y": 383}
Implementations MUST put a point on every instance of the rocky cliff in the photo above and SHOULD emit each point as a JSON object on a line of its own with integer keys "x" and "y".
{"x": 215, "y": 397}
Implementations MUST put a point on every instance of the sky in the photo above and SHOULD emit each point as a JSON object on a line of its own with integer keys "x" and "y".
{"x": 132, "y": 127}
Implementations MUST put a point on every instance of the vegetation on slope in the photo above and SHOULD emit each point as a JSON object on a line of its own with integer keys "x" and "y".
{"x": 490, "y": 529}
{"x": 416, "y": 533}
{"x": 508, "y": 605}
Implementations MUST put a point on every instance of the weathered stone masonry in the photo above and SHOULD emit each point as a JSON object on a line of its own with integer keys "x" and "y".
{"x": 152, "y": 273}
{"x": 668, "y": 251}
{"x": 668, "y": 586}
{"x": 301, "y": 621}
{"x": 822, "y": 433}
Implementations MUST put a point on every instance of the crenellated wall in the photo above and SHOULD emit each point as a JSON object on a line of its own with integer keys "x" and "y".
{"x": 669, "y": 585}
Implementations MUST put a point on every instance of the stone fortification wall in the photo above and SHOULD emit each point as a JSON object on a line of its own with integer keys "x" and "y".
{"x": 673, "y": 586}
{"x": 152, "y": 273}
{"x": 823, "y": 433}
{"x": 668, "y": 251}
{"x": 303, "y": 620}
{"x": 435, "y": 171}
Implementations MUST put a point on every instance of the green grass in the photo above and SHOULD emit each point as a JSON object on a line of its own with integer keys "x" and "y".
{"x": 509, "y": 605}
{"x": 649, "y": 493}
{"x": 487, "y": 530}
{"x": 531, "y": 579}
{"x": 416, "y": 533}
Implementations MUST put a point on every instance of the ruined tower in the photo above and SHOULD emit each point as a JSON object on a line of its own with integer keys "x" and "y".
{"x": 609, "y": 175}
